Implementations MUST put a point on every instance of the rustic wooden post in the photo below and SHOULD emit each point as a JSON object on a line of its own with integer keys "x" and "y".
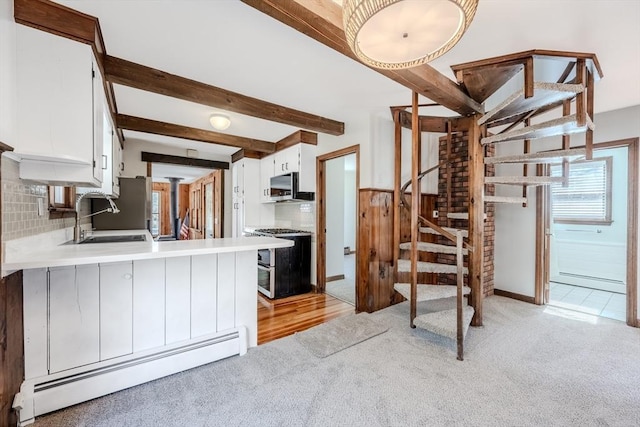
{"x": 476, "y": 219}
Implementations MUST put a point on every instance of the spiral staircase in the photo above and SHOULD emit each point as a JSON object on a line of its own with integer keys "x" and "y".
{"x": 511, "y": 121}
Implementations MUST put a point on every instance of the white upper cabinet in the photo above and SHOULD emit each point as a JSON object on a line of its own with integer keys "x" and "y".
{"x": 299, "y": 158}
{"x": 111, "y": 161}
{"x": 60, "y": 104}
{"x": 287, "y": 160}
{"x": 267, "y": 165}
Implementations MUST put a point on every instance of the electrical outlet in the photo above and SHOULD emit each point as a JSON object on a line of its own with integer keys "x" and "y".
{"x": 435, "y": 214}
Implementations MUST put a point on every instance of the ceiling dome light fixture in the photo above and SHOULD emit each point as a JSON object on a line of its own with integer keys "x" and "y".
{"x": 397, "y": 34}
{"x": 220, "y": 121}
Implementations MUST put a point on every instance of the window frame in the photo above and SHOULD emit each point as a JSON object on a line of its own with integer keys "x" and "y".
{"x": 607, "y": 220}
{"x": 65, "y": 208}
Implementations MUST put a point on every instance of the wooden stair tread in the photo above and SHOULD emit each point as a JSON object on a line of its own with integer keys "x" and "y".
{"x": 565, "y": 125}
{"x": 542, "y": 157}
{"x": 433, "y": 247}
{"x": 505, "y": 199}
{"x": 544, "y": 94}
{"x": 404, "y": 266}
{"x": 428, "y": 230}
{"x": 523, "y": 180}
{"x": 445, "y": 322}
{"x": 429, "y": 292}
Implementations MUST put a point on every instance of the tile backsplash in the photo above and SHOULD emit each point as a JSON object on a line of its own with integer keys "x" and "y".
{"x": 20, "y": 206}
{"x": 296, "y": 215}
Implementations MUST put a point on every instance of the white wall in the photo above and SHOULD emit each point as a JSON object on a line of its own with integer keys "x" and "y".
{"x": 8, "y": 93}
{"x": 515, "y": 226}
{"x": 134, "y": 166}
{"x": 335, "y": 217}
{"x": 350, "y": 213}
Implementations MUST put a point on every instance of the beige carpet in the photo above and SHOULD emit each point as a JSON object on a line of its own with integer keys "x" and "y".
{"x": 527, "y": 366}
{"x": 339, "y": 334}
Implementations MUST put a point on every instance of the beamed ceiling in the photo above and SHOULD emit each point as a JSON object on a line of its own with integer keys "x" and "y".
{"x": 278, "y": 66}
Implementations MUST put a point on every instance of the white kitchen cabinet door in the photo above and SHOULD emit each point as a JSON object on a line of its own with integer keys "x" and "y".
{"x": 36, "y": 332}
{"x": 116, "y": 309}
{"x": 59, "y": 98}
{"x": 99, "y": 124}
{"x": 117, "y": 164}
{"x": 74, "y": 317}
{"x": 267, "y": 165}
{"x": 178, "y": 299}
{"x": 237, "y": 178}
{"x": 225, "y": 308}
{"x": 204, "y": 276}
{"x": 148, "y": 304}
{"x": 287, "y": 160}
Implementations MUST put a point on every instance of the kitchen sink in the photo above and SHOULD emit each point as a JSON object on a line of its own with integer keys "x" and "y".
{"x": 113, "y": 239}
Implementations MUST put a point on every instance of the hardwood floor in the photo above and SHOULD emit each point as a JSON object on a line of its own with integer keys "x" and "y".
{"x": 277, "y": 319}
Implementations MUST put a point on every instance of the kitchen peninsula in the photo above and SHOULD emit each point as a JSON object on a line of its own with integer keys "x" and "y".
{"x": 102, "y": 317}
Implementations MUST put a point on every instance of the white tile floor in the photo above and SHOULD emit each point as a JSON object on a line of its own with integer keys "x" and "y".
{"x": 591, "y": 301}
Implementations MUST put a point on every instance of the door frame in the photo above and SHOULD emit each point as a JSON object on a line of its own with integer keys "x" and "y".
{"x": 544, "y": 220}
{"x": 321, "y": 208}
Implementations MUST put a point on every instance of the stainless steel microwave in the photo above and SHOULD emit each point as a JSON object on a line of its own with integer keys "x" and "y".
{"x": 285, "y": 187}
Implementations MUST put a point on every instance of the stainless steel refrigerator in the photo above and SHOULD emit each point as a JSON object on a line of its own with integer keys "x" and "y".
{"x": 134, "y": 204}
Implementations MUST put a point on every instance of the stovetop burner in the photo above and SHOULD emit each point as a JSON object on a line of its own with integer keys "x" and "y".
{"x": 280, "y": 232}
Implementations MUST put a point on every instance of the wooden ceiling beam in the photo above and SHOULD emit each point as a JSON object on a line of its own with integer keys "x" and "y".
{"x": 127, "y": 73}
{"x": 177, "y": 131}
{"x": 322, "y": 21}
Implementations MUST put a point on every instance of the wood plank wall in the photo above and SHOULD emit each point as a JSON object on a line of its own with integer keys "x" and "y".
{"x": 375, "y": 247}
{"x": 11, "y": 345}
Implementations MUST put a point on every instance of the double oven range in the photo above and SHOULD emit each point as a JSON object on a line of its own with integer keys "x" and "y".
{"x": 284, "y": 272}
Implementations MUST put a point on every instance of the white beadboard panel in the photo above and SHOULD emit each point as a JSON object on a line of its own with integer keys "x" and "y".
{"x": 226, "y": 291}
{"x": 203, "y": 294}
{"x": 178, "y": 299}
{"x": 73, "y": 317}
{"x": 116, "y": 309}
{"x": 597, "y": 260}
{"x": 246, "y": 290}
{"x": 34, "y": 297}
{"x": 148, "y": 304}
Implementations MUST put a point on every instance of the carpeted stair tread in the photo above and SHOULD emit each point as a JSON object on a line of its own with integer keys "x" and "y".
{"x": 428, "y": 230}
{"x": 505, "y": 199}
{"x": 433, "y": 248}
{"x": 542, "y": 157}
{"x": 429, "y": 292}
{"x": 461, "y": 215}
{"x": 523, "y": 180}
{"x": 544, "y": 94}
{"x": 404, "y": 265}
{"x": 444, "y": 322}
{"x": 565, "y": 125}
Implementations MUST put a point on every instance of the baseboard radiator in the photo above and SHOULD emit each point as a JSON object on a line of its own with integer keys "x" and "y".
{"x": 46, "y": 394}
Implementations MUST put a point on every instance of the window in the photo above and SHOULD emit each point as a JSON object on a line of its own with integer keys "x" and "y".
{"x": 587, "y": 198}
{"x": 62, "y": 201}
{"x": 155, "y": 212}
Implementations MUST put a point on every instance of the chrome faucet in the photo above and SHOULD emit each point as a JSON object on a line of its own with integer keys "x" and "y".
{"x": 78, "y": 234}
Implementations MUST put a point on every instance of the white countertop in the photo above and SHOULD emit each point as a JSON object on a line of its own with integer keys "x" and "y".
{"x": 23, "y": 255}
